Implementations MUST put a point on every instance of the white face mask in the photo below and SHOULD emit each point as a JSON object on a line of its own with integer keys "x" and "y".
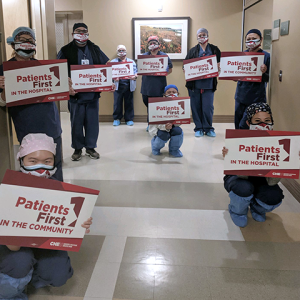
{"x": 39, "y": 170}
{"x": 172, "y": 95}
{"x": 122, "y": 54}
{"x": 153, "y": 47}
{"x": 81, "y": 38}
{"x": 261, "y": 126}
{"x": 202, "y": 40}
{"x": 253, "y": 44}
{"x": 25, "y": 49}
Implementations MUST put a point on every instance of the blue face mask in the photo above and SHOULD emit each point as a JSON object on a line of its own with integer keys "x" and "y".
{"x": 37, "y": 167}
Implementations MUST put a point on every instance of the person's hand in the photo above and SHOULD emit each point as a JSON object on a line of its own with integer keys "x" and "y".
{"x": 263, "y": 68}
{"x": 13, "y": 248}
{"x": 224, "y": 151}
{"x": 219, "y": 68}
{"x": 70, "y": 82}
{"x": 2, "y": 82}
{"x": 169, "y": 126}
{"x": 133, "y": 77}
{"x": 87, "y": 224}
{"x": 113, "y": 88}
{"x": 116, "y": 79}
{"x": 72, "y": 92}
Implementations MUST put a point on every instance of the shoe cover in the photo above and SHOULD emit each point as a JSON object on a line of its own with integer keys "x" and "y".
{"x": 238, "y": 209}
{"x": 174, "y": 145}
{"x": 259, "y": 209}
{"x": 157, "y": 144}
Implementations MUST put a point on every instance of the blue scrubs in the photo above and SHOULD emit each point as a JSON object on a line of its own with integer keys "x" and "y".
{"x": 38, "y": 118}
{"x": 153, "y": 86}
{"x": 202, "y": 100}
{"x": 250, "y": 92}
{"x": 84, "y": 109}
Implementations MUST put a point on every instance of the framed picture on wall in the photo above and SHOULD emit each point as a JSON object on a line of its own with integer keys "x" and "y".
{"x": 172, "y": 33}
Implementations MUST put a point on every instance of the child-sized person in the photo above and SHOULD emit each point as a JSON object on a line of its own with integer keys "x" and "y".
{"x": 262, "y": 194}
{"x": 163, "y": 132}
{"x": 39, "y": 267}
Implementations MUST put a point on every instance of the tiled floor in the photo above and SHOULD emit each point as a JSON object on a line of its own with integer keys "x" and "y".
{"x": 162, "y": 230}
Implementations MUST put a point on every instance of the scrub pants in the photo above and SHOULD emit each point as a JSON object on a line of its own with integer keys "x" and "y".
{"x": 58, "y": 161}
{"x": 40, "y": 267}
{"x": 165, "y": 135}
{"x": 240, "y": 116}
{"x": 123, "y": 92}
{"x": 254, "y": 192}
{"x": 145, "y": 100}
{"x": 202, "y": 104}
{"x": 84, "y": 124}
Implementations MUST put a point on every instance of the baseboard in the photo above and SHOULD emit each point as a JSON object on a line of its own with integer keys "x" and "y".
{"x": 293, "y": 187}
{"x": 143, "y": 118}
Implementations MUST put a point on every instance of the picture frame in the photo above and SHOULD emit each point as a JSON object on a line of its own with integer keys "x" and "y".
{"x": 172, "y": 32}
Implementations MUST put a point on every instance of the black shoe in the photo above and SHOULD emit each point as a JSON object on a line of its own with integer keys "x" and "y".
{"x": 76, "y": 155}
{"x": 92, "y": 153}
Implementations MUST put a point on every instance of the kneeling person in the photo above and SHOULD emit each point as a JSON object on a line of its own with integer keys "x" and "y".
{"x": 163, "y": 132}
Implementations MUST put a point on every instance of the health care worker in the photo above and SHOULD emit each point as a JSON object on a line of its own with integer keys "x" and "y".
{"x": 20, "y": 266}
{"x": 32, "y": 118}
{"x": 124, "y": 91}
{"x": 153, "y": 86}
{"x": 251, "y": 92}
{"x": 262, "y": 194}
{"x": 161, "y": 133}
{"x": 202, "y": 91}
{"x": 83, "y": 107}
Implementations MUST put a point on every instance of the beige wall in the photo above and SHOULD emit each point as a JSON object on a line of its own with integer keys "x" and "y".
{"x": 285, "y": 56}
{"x": 68, "y": 5}
{"x": 259, "y": 16}
{"x": 110, "y": 26}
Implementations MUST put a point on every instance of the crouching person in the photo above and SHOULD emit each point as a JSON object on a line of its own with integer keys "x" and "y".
{"x": 20, "y": 266}
{"x": 163, "y": 132}
{"x": 262, "y": 194}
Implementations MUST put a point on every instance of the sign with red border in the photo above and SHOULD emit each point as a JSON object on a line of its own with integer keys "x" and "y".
{"x": 122, "y": 70}
{"x": 35, "y": 81}
{"x": 200, "y": 68}
{"x": 163, "y": 110}
{"x": 241, "y": 66}
{"x": 43, "y": 213}
{"x": 153, "y": 65}
{"x": 262, "y": 153}
{"x": 91, "y": 78}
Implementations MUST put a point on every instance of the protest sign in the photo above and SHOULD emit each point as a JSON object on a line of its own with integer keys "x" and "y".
{"x": 154, "y": 65}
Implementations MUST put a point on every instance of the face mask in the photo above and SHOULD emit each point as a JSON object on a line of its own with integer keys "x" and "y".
{"x": 153, "y": 47}
{"x": 202, "y": 40}
{"x": 121, "y": 54}
{"x": 81, "y": 38}
{"x": 254, "y": 44}
{"x": 173, "y": 95}
{"x": 261, "y": 126}
{"x": 39, "y": 170}
{"x": 25, "y": 49}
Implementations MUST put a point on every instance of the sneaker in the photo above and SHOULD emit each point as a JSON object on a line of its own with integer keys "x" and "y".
{"x": 199, "y": 133}
{"x": 129, "y": 123}
{"x": 147, "y": 129}
{"x": 211, "y": 133}
{"x": 92, "y": 153}
{"x": 76, "y": 155}
{"x": 116, "y": 122}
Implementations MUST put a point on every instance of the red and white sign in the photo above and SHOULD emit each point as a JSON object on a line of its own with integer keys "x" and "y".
{"x": 154, "y": 65}
{"x": 35, "y": 81}
{"x": 163, "y": 110}
{"x": 242, "y": 66}
{"x": 200, "y": 68}
{"x": 122, "y": 70}
{"x": 43, "y": 213}
{"x": 91, "y": 78}
{"x": 262, "y": 153}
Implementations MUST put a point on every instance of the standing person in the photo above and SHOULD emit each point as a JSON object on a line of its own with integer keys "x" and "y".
{"x": 22, "y": 265}
{"x": 32, "y": 118}
{"x": 124, "y": 90}
{"x": 202, "y": 91}
{"x": 262, "y": 194}
{"x": 83, "y": 107}
{"x": 153, "y": 86}
{"x": 251, "y": 92}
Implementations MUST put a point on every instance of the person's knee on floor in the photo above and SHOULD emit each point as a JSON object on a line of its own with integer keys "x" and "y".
{"x": 174, "y": 145}
{"x": 157, "y": 144}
